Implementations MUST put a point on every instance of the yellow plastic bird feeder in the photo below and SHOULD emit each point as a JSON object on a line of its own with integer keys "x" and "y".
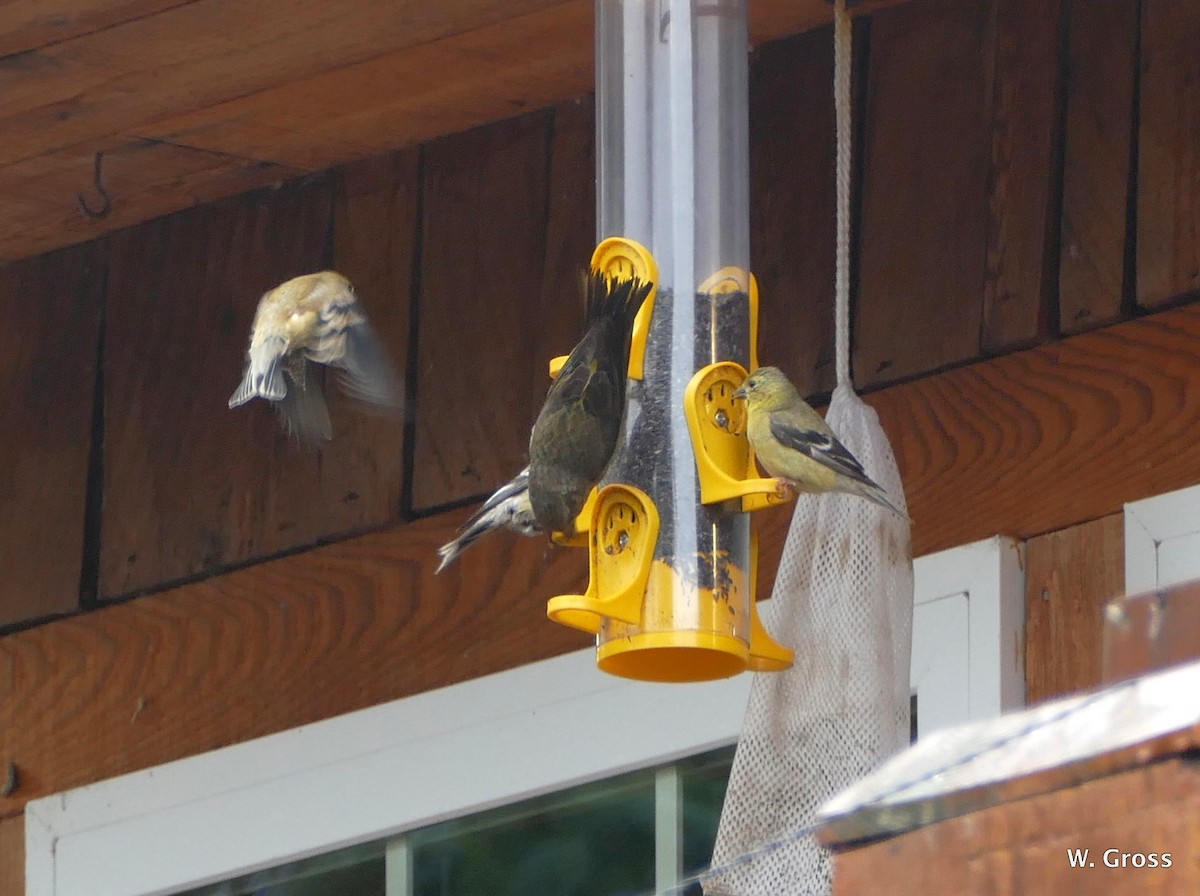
{"x": 671, "y": 557}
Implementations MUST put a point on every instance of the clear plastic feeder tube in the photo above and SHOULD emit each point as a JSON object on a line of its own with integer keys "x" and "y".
{"x": 673, "y": 173}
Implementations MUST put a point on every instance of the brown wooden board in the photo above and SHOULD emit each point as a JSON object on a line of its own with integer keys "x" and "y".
{"x": 317, "y": 85}
{"x": 142, "y": 178}
{"x": 1028, "y": 443}
{"x": 272, "y": 646}
{"x": 402, "y": 97}
{"x": 190, "y": 485}
{"x": 1022, "y": 247}
{"x": 1022, "y": 846}
{"x": 1069, "y": 577}
{"x": 12, "y": 856}
{"x": 570, "y": 238}
{"x": 479, "y": 357}
{"x": 26, "y": 26}
{"x": 1168, "y": 222}
{"x": 50, "y": 308}
{"x": 197, "y": 54}
{"x": 925, "y": 195}
{"x": 90, "y": 85}
{"x": 1096, "y": 166}
{"x": 792, "y": 225}
{"x": 1041, "y": 439}
{"x": 376, "y": 204}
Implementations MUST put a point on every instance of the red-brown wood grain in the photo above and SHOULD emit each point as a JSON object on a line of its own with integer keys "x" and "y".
{"x": 1022, "y": 246}
{"x": 792, "y": 226}
{"x": 570, "y": 238}
{"x": 49, "y": 338}
{"x": 12, "y": 856}
{"x": 272, "y": 646}
{"x": 1096, "y": 166}
{"x": 1069, "y": 576}
{"x": 923, "y": 241}
{"x": 1041, "y": 439}
{"x": 142, "y": 178}
{"x": 1021, "y": 846}
{"x": 1168, "y": 206}
{"x": 375, "y": 221}
{"x": 482, "y": 249}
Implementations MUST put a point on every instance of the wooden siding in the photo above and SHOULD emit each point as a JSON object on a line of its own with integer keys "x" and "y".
{"x": 363, "y": 620}
{"x": 1069, "y": 576}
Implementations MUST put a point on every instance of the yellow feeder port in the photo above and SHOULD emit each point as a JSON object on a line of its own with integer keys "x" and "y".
{"x": 671, "y": 553}
{"x": 686, "y": 614}
{"x": 623, "y": 530}
{"x": 717, "y": 423}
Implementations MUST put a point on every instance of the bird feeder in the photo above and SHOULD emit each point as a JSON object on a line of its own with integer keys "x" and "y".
{"x": 671, "y": 557}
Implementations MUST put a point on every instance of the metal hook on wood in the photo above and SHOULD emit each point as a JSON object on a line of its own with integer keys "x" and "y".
{"x": 98, "y": 184}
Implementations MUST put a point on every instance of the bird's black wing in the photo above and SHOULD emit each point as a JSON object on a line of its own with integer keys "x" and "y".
{"x": 821, "y": 447}
{"x": 587, "y": 383}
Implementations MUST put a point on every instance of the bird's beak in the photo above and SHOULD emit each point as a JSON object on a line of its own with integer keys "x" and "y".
{"x": 739, "y": 393}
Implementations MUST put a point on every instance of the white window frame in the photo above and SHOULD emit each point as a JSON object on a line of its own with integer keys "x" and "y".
{"x": 1162, "y": 540}
{"x": 488, "y": 742}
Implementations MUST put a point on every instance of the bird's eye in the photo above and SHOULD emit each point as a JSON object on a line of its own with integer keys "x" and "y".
{"x": 752, "y": 383}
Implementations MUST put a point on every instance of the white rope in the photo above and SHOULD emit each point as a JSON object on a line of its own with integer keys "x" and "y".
{"x": 841, "y": 99}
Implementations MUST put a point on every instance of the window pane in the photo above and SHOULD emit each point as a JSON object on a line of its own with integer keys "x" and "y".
{"x": 357, "y": 871}
{"x": 705, "y": 778}
{"x": 594, "y": 840}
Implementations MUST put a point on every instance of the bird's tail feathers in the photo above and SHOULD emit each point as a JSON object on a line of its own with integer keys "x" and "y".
{"x": 609, "y": 297}
{"x": 507, "y": 508}
{"x": 450, "y": 551}
{"x": 877, "y": 495}
{"x": 264, "y": 374}
{"x": 484, "y": 520}
{"x": 304, "y": 410}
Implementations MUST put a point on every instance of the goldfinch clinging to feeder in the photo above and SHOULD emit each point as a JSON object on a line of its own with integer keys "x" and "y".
{"x": 576, "y": 432}
{"x": 314, "y": 319}
{"x": 507, "y": 508}
{"x": 794, "y": 443}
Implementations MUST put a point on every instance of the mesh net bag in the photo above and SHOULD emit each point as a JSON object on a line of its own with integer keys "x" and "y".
{"x": 843, "y": 600}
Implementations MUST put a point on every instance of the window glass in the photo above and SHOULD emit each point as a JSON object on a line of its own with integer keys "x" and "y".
{"x": 594, "y": 840}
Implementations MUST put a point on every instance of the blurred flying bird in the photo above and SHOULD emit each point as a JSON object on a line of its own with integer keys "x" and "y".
{"x": 309, "y": 320}
{"x": 576, "y": 432}
{"x": 794, "y": 443}
{"x": 507, "y": 508}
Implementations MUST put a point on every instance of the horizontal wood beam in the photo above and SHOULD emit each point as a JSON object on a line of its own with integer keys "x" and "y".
{"x": 1028, "y": 443}
{"x": 1041, "y": 439}
{"x": 142, "y": 179}
{"x": 263, "y": 95}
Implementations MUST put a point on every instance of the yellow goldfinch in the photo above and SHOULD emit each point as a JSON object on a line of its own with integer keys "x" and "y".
{"x": 793, "y": 443}
{"x": 577, "y": 430}
{"x": 314, "y": 319}
{"x": 507, "y": 508}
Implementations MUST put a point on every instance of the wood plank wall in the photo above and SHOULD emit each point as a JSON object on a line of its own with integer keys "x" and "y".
{"x": 1017, "y": 186}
